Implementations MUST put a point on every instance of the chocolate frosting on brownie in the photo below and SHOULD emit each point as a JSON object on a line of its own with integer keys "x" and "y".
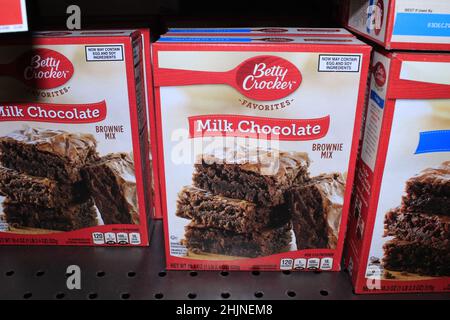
{"x": 267, "y": 162}
{"x": 429, "y": 191}
{"x": 257, "y": 175}
{"x": 316, "y": 209}
{"x": 113, "y": 186}
{"x": 332, "y": 187}
{"x": 74, "y": 146}
{"x": 123, "y": 166}
{"x": 439, "y": 175}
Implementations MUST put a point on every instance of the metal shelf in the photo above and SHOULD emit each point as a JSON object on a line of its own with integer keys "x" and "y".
{"x": 138, "y": 273}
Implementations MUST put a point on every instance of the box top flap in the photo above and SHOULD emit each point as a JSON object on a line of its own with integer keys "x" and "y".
{"x": 420, "y": 76}
{"x": 267, "y": 40}
{"x": 276, "y": 31}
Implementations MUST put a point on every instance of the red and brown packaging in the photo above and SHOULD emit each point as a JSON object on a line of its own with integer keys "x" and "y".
{"x": 398, "y": 234}
{"x": 74, "y": 164}
{"x": 257, "y": 140}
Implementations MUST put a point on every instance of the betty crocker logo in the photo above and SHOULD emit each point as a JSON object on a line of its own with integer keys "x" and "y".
{"x": 379, "y": 17}
{"x": 379, "y": 74}
{"x": 267, "y": 78}
{"x": 375, "y": 16}
{"x": 41, "y": 69}
{"x": 261, "y": 78}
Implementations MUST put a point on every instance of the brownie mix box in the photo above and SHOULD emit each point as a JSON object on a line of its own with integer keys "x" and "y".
{"x": 399, "y": 222}
{"x": 156, "y": 210}
{"x": 257, "y": 143}
{"x": 402, "y": 24}
{"x": 74, "y": 140}
{"x": 267, "y": 31}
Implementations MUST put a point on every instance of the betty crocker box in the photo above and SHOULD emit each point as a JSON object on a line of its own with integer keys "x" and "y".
{"x": 265, "y": 31}
{"x": 257, "y": 140}
{"x": 399, "y": 223}
{"x": 402, "y": 24}
{"x": 74, "y": 140}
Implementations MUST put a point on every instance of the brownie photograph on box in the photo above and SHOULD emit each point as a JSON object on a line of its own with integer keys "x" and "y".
{"x": 112, "y": 184}
{"x": 429, "y": 191}
{"x": 420, "y": 226}
{"x": 257, "y": 202}
{"x": 232, "y": 173}
{"x": 53, "y": 180}
{"x": 316, "y": 209}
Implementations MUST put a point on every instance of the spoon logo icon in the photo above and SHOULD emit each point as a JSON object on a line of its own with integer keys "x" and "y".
{"x": 261, "y": 78}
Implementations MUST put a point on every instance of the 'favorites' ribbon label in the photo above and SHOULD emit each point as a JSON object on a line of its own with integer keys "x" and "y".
{"x": 258, "y": 127}
{"x": 57, "y": 113}
{"x": 434, "y": 141}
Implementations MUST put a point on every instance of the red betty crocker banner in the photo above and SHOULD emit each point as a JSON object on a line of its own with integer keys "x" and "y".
{"x": 262, "y": 78}
{"x": 56, "y": 113}
{"x": 258, "y": 127}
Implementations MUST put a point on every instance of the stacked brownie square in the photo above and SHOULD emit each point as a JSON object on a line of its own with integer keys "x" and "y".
{"x": 111, "y": 181}
{"x": 421, "y": 225}
{"x": 316, "y": 209}
{"x": 40, "y": 176}
{"x": 244, "y": 203}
